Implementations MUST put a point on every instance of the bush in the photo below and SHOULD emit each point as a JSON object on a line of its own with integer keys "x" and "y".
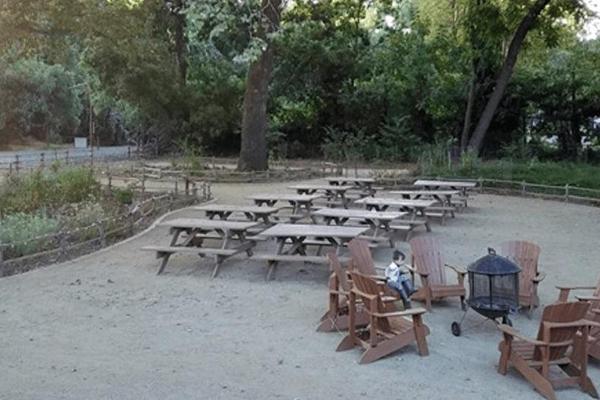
{"x": 31, "y": 192}
{"x": 123, "y": 196}
{"x": 19, "y": 229}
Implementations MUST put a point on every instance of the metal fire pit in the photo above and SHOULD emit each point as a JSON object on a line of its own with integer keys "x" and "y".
{"x": 493, "y": 289}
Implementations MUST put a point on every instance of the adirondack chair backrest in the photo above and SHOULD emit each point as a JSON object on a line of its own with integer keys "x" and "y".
{"x": 370, "y": 287}
{"x": 362, "y": 259}
{"x": 336, "y": 266}
{"x": 525, "y": 255}
{"x": 427, "y": 258}
{"x": 562, "y": 312}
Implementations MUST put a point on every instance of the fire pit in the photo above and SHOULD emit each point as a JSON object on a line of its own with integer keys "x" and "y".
{"x": 493, "y": 288}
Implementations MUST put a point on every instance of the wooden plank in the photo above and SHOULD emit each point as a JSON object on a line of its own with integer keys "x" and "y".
{"x": 192, "y": 250}
{"x": 295, "y": 258}
{"x": 333, "y": 188}
{"x": 236, "y": 208}
{"x": 418, "y": 192}
{"x": 311, "y": 230}
{"x": 201, "y": 223}
{"x": 359, "y": 213}
{"x": 285, "y": 197}
{"x": 436, "y": 183}
{"x": 394, "y": 202}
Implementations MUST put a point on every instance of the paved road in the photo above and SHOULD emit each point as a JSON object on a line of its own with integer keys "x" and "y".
{"x": 32, "y": 158}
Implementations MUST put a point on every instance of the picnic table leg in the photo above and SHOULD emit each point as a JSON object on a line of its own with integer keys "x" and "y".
{"x": 272, "y": 264}
{"x": 165, "y": 258}
{"x": 225, "y": 234}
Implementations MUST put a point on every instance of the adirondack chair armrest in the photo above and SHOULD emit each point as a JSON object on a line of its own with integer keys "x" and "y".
{"x": 405, "y": 313}
{"x": 595, "y": 311}
{"x": 539, "y": 277}
{"x": 569, "y": 288}
{"x": 512, "y": 332}
{"x": 412, "y": 269}
{"x": 587, "y": 298}
{"x": 363, "y": 294}
{"x": 581, "y": 322}
{"x": 458, "y": 270}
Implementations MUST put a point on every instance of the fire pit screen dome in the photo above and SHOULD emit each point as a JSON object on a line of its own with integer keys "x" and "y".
{"x": 493, "y": 288}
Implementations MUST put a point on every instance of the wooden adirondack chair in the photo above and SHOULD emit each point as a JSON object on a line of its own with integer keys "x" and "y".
{"x": 592, "y": 315}
{"x": 525, "y": 255}
{"x": 337, "y": 316}
{"x": 427, "y": 261}
{"x": 561, "y": 341}
{"x": 362, "y": 261}
{"x": 387, "y": 332}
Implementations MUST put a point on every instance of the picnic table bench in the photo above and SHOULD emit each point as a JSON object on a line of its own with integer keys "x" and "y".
{"x": 332, "y": 192}
{"x": 298, "y": 202}
{"x": 252, "y": 213}
{"x": 197, "y": 232}
{"x": 293, "y": 240}
{"x": 378, "y": 221}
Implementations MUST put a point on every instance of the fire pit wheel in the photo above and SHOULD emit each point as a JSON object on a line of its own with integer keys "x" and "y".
{"x": 456, "y": 328}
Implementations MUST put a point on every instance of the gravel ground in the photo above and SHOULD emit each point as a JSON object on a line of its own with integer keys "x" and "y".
{"x": 106, "y": 327}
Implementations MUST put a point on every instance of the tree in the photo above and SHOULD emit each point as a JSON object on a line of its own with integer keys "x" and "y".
{"x": 253, "y": 153}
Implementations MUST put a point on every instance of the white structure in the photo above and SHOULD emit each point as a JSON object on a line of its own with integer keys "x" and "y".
{"x": 80, "y": 142}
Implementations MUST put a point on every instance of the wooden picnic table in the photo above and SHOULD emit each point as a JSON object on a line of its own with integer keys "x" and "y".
{"x": 415, "y": 207}
{"x": 297, "y": 237}
{"x": 378, "y": 221}
{"x": 197, "y": 231}
{"x": 332, "y": 192}
{"x": 297, "y": 201}
{"x": 252, "y": 213}
{"x": 364, "y": 184}
{"x": 432, "y": 184}
{"x": 443, "y": 196}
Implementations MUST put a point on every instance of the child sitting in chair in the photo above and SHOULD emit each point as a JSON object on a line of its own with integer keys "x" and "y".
{"x": 399, "y": 279}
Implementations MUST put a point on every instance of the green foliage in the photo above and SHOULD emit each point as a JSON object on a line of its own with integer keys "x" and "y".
{"x": 39, "y": 100}
{"x": 123, "y": 196}
{"x": 31, "y": 192}
{"x": 546, "y": 173}
{"x": 20, "y": 231}
{"x": 192, "y": 155}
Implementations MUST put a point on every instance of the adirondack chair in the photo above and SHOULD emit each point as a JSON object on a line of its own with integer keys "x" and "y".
{"x": 387, "y": 332}
{"x": 362, "y": 261}
{"x": 337, "y": 316}
{"x": 525, "y": 255}
{"x": 592, "y": 315}
{"x": 561, "y": 341}
{"x": 427, "y": 261}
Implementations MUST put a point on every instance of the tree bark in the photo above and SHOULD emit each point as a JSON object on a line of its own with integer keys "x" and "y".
{"x": 176, "y": 9}
{"x": 253, "y": 153}
{"x": 464, "y": 137}
{"x": 487, "y": 116}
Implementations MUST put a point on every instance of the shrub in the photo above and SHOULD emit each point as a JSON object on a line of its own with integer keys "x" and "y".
{"x": 18, "y": 230}
{"x": 123, "y": 196}
{"x": 37, "y": 190}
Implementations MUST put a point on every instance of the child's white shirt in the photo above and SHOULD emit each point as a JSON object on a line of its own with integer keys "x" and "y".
{"x": 392, "y": 272}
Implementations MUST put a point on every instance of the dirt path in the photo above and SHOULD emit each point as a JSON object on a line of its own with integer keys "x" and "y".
{"x": 106, "y": 327}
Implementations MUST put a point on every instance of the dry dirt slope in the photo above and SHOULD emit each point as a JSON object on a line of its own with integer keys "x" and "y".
{"x": 106, "y": 327}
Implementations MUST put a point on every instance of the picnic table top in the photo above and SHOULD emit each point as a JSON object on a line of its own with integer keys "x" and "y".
{"x": 312, "y": 230}
{"x": 202, "y": 223}
{"x": 344, "y": 179}
{"x": 236, "y": 208}
{"x": 418, "y": 192}
{"x": 321, "y": 187}
{"x": 285, "y": 197}
{"x": 461, "y": 184}
{"x": 356, "y": 213}
{"x": 387, "y": 201}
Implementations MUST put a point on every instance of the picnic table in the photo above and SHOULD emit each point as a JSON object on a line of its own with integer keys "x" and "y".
{"x": 197, "y": 231}
{"x": 224, "y": 211}
{"x": 432, "y": 184}
{"x": 364, "y": 184}
{"x": 332, "y": 192}
{"x": 297, "y": 201}
{"x": 415, "y": 207}
{"x": 443, "y": 196}
{"x": 378, "y": 221}
{"x": 293, "y": 240}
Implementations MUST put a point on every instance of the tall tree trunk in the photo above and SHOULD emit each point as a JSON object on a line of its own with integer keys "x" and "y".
{"x": 253, "y": 153}
{"x": 175, "y": 9}
{"x": 505, "y": 74}
{"x": 464, "y": 137}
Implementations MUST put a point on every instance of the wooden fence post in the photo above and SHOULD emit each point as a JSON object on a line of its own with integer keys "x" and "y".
{"x": 42, "y": 159}
{"x": 67, "y": 157}
{"x": 2, "y": 272}
{"x": 567, "y": 192}
{"x": 187, "y": 186}
{"x": 523, "y": 188}
{"x": 101, "y": 233}
{"x": 17, "y": 164}
{"x": 176, "y": 191}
